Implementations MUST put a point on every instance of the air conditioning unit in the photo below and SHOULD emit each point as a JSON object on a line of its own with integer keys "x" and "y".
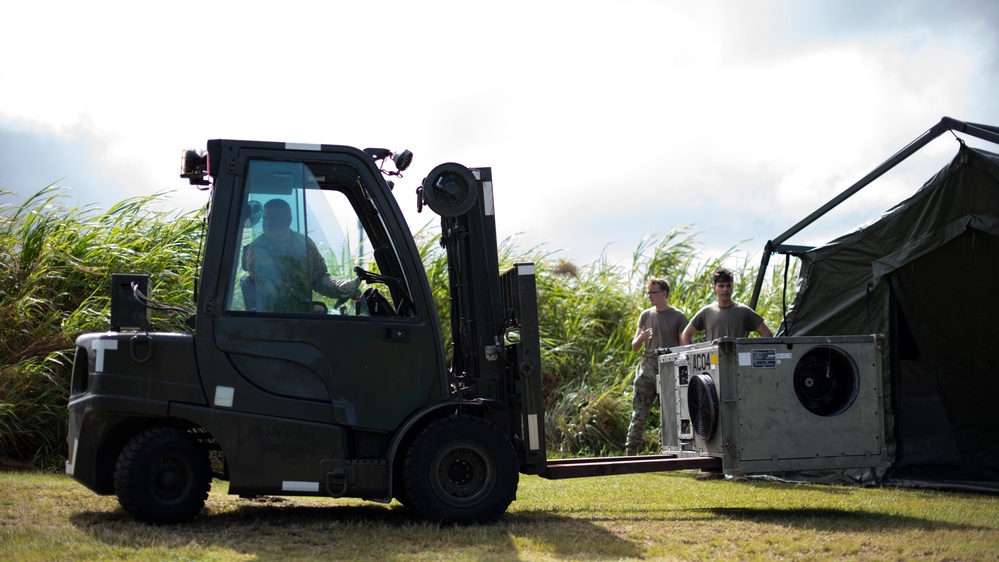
{"x": 776, "y": 404}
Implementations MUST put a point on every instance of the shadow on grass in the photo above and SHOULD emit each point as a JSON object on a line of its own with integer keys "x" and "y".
{"x": 270, "y": 526}
{"x": 827, "y": 519}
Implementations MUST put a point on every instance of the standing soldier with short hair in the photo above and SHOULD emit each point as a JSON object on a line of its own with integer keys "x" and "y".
{"x": 658, "y": 326}
{"x": 724, "y": 318}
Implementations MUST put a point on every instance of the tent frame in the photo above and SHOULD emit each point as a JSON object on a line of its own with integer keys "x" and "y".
{"x": 775, "y": 246}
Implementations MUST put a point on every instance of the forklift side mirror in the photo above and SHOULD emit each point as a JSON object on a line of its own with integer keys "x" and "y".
{"x": 194, "y": 167}
{"x": 252, "y": 213}
{"x": 403, "y": 160}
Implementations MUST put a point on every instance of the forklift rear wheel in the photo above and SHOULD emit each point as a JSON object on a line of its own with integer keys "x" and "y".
{"x": 461, "y": 470}
{"x": 162, "y": 476}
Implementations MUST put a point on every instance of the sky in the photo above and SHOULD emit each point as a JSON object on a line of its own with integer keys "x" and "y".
{"x": 605, "y": 122}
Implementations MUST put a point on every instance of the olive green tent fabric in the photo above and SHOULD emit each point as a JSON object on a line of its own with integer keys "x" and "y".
{"x": 925, "y": 275}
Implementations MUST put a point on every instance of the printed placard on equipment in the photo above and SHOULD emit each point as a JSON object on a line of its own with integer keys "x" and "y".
{"x": 763, "y": 358}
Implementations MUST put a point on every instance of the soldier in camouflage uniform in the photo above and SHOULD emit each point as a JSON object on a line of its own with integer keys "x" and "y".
{"x": 286, "y": 267}
{"x": 658, "y": 326}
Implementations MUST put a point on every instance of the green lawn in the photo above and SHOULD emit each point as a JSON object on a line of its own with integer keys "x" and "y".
{"x": 650, "y": 516}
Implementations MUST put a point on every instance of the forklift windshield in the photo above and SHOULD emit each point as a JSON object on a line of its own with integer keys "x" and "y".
{"x": 299, "y": 239}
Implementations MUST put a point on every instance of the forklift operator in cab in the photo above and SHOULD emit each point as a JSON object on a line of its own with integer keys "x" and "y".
{"x": 285, "y": 267}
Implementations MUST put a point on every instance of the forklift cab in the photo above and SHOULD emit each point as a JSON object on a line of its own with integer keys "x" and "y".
{"x": 281, "y": 330}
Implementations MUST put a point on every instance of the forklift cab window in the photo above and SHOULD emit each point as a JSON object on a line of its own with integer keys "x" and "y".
{"x": 298, "y": 241}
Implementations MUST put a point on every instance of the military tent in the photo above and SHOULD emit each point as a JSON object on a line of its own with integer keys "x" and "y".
{"x": 925, "y": 275}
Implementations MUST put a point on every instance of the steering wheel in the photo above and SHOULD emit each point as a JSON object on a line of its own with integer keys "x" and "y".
{"x": 405, "y": 306}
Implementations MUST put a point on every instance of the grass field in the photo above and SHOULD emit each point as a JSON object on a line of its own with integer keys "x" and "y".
{"x": 652, "y": 516}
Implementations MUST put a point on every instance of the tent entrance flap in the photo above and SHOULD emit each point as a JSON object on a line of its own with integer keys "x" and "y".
{"x": 945, "y": 391}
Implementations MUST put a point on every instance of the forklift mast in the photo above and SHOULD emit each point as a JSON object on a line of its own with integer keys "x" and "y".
{"x": 494, "y": 319}
{"x": 473, "y": 282}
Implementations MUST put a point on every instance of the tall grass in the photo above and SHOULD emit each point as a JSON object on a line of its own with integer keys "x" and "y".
{"x": 56, "y": 262}
{"x": 55, "y": 268}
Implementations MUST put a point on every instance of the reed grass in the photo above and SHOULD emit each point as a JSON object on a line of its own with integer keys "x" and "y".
{"x": 55, "y": 269}
{"x": 56, "y": 261}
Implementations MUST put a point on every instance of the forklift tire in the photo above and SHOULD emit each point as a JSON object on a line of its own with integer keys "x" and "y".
{"x": 460, "y": 470}
{"x": 162, "y": 476}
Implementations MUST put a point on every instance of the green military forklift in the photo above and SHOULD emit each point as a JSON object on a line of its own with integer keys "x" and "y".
{"x": 292, "y": 381}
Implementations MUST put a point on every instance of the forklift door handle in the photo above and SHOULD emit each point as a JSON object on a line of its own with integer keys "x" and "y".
{"x": 396, "y": 334}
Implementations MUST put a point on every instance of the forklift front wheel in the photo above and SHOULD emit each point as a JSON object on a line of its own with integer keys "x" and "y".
{"x": 162, "y": 476}
{"x": 461, "y": 470}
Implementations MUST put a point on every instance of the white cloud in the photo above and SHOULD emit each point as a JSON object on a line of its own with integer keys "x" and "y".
{"x": 604, "y": 121}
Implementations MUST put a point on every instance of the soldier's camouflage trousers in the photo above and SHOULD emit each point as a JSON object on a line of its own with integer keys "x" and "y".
{"x": 641, "y": 403}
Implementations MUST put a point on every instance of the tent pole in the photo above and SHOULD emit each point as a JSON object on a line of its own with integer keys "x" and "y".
{"x": 758, "y": 286}
{"x": 985, "y": 132}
